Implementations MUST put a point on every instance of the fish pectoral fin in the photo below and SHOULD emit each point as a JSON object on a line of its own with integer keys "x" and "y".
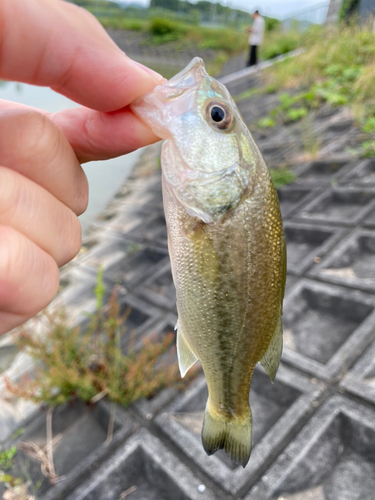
{"x": 186, "y": 357}
{"x": 271, "y": 359}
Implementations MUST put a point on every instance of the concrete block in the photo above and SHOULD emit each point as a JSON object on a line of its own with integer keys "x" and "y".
{"x": 331, "y": 458}
{"x": 322, "y": 172}
{"x": 278, "y": 410}
{"x": 159, "y": 289}
{"x": 351, "y": 262}
{"x": 153, "y": 230}
{"x": 344, "y": 206}
{"x": 369, "y": 220}
{"x": 326, "y": 327}
{"x": 80, "y": 432}
{"x": 307, "y": 243}
{"x": 361, "y": 378}
{"x": 141, "y": 319}
{"x": 362, "y": 175}
{"x": 292, "y": 197}
{"x": 124, "y": 261}
{"x": 146, "y": 469}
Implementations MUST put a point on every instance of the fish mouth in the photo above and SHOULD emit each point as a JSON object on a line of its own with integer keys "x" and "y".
{"x": 191, "y": 76}
{"x": 158, "y": 107}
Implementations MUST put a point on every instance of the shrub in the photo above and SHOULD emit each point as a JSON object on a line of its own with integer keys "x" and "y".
{"x": 282, "y": 176}
{"x": 338, "y": 68}
{"x": 161, "y": 27}
{"x": 90, "y": 364}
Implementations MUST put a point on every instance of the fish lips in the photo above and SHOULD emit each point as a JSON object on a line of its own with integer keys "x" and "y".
{"x": 172, "y": 99}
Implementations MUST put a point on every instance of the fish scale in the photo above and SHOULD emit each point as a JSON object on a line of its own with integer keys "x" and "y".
{"x": 227, "y": 248}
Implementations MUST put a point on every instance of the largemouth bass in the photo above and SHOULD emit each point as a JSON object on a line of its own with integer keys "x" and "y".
{"x": 227, "y": 247}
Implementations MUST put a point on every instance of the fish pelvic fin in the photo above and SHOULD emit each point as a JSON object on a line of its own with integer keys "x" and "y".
{"x": 186, "y": 357}
{"x": 232, "y": 435}
{"x": 271, "y": 359}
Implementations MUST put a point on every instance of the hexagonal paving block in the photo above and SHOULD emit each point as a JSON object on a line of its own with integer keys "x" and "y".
{"x": 369, "y": 220}
{"x": 332, "y": 458}
{"x": 8, "y": 353}
{"x": 326, "y": 327}
{"x": 76, "y": 289}
{"x": 352, "y": 262}
{"x": 362, "y": 174}
{"x": 79, "y": 435}
{"x": 144, "y": 469}
{"x": 322, "y": 172}
{"x": 125, "y": 262}
{"x": 306, "y": 243}
{"x": 159, "y": 289}
{"x": 291, "y": 198}
{"x": 278, "y": 410}
{"x": 346, "y": 206}
{"x": 361, "y": 378}
{"x": 141, "y": 319}
{"x": 153, "y": 230}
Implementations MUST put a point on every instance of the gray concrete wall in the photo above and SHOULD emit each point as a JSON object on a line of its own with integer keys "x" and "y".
{"x": 367, "y": 8}
{"x": 333, "y": 11}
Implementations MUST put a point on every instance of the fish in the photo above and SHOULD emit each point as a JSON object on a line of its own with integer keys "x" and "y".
{"x": 226, "y": 245}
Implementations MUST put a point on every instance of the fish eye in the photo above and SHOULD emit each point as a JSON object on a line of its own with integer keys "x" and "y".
{"x": 219, "y": 115}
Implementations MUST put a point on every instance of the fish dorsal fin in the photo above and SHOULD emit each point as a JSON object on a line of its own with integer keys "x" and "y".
{"x": 186, "y": 357}
{"x": 271, "y": 359}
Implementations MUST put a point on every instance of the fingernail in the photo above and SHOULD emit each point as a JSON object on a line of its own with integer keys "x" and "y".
{"x": 149, "y": 71}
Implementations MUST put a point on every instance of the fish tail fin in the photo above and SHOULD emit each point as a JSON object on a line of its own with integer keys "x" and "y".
{"x": 232, "y": 435}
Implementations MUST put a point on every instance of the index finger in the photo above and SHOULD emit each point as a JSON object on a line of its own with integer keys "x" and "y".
{"x": 60, "y": 45}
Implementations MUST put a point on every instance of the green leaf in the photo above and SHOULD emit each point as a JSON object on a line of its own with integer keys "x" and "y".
{"x": 6, "y": 458}
{"x": 369, "y": 126}
{"x": 266, "y": 123}
{"x": 295, "y": 114}
{"x": 282, "y": 176}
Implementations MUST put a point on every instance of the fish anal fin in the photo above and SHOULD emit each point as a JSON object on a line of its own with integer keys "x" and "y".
{"x": 186, "y": 357}
{"x": 271, "y": 358}
{"x": 231, "y": 435}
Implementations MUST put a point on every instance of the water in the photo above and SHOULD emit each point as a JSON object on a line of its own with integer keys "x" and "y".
{"x": 105, "y": 177}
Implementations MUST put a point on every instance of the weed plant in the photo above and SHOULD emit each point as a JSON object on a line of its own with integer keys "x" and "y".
{"x": 277, "y": 43}
{"x": 6, "y": 458}
{"x": 337, "y": 68}
{"x": 91, "y": 364}
{"x": 282, "y": 176}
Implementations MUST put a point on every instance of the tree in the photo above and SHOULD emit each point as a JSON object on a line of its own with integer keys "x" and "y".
{"x": 165, "y": 4}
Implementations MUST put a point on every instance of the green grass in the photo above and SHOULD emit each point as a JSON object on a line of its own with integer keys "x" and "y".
{"x": 6, "y": 458}
{"x": 277, "y": 43}
{"x": 163, "y": 30}
{"x": 368, "y": 149}
{"x": 282, "y": 176}
{"x": 265, "y": 122}
{"x": 338, "y": 68}
{"x": 248, "y": 93}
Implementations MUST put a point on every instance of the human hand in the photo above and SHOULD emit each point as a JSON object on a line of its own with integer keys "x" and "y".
{"x": 42, "y": 185}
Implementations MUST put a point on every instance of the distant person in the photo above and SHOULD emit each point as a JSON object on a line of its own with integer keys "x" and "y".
{"x": 256, "y": 38}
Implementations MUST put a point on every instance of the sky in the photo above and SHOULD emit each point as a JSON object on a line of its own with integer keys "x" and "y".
{"x": 274, "y": 8}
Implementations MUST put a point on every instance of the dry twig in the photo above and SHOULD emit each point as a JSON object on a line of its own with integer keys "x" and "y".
{"x": 45, "y": 455}
{"x": 127, "y": 492}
